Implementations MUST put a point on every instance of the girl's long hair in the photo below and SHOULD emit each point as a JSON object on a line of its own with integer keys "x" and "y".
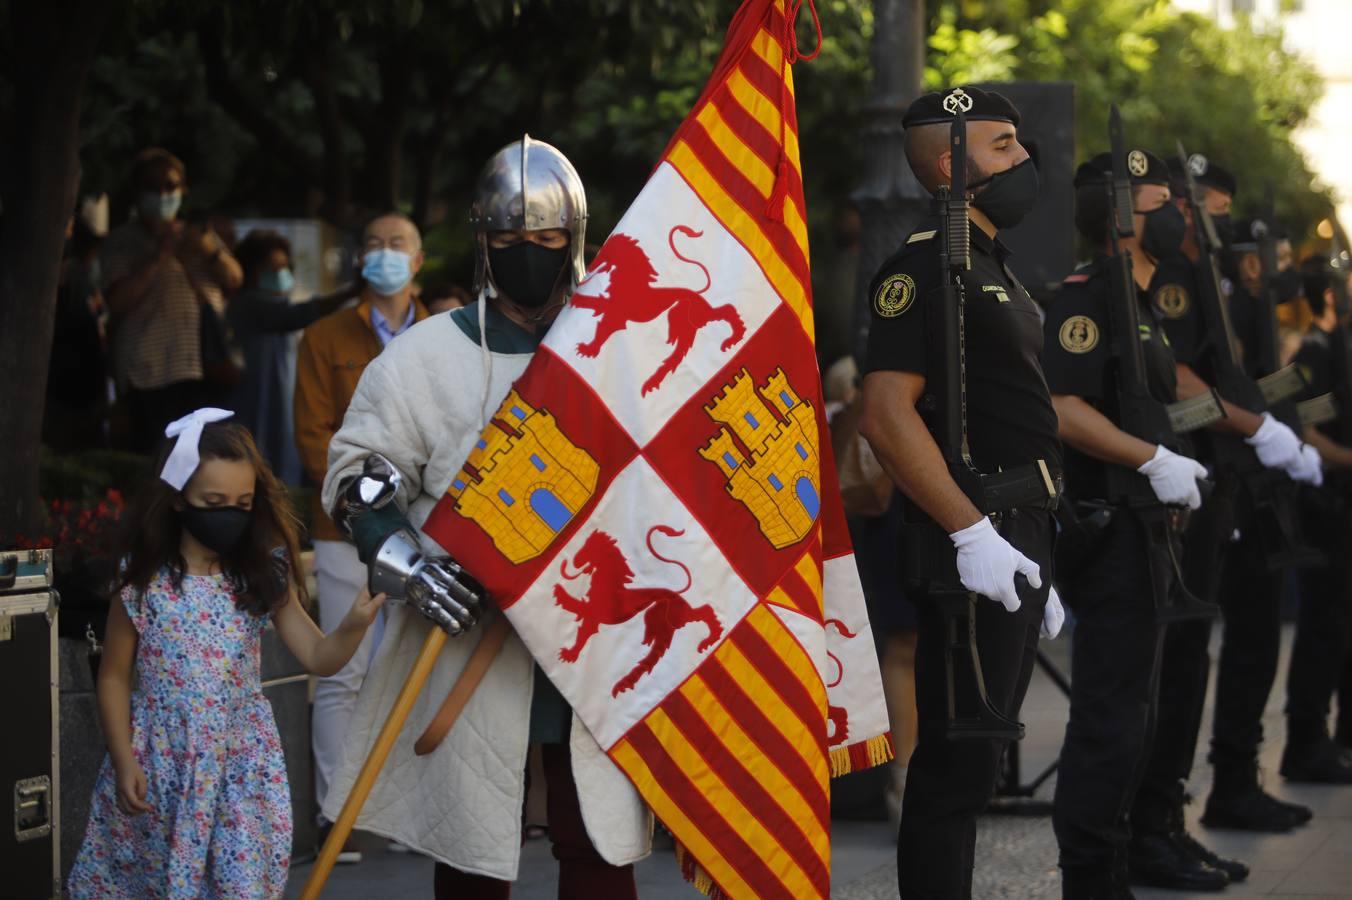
{"x": 262, "y": 570}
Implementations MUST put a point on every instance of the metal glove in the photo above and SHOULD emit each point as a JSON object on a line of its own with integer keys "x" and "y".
{"x": 1173, "y": 478}
{"x": 987, "y": 564}
{"x": 437, "y": 586}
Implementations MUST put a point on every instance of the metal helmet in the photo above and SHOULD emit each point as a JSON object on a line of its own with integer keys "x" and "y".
{"x": 527, "y": 185}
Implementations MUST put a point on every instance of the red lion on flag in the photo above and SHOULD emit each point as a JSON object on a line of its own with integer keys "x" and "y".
{"x": 631, "y": 296}
{"x": 610, "y": 601}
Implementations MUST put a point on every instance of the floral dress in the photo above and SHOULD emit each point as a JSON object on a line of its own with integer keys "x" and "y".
{"x": 207, "y": 740}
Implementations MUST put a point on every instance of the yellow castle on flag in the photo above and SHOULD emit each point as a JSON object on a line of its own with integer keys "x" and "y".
{"x": 524, "y": 480}
{"x": 772, "y": 467}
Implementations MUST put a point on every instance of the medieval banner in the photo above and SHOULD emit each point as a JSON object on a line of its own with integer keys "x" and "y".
{"x": 656, "y": 509}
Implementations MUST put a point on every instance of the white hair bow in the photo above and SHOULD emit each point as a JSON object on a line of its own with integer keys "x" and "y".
{"x": 184, "y": 458}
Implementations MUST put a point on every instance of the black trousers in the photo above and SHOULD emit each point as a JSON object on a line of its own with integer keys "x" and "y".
{"x": 1185, "y": 667}
{"x": 1250, "y": 601}
{"x": 1323, "y": 628}
{"x": 950, "y": 782}
{"x": 1114, "y": 686}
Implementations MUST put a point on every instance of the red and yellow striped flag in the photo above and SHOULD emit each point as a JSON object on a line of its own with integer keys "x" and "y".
{"x": 655, "y": 507}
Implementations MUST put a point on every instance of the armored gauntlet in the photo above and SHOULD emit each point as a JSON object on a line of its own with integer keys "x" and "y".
{"x": 437, "y": 586}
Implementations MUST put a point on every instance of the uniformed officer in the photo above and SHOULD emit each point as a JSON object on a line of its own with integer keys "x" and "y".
{"x": 1251, "y": 590}
{"x": 1324, "y": 625}
{"x": 1011, "y": 425}
{"x": 1114, "y": 683}
{"x": 1162, "y": 852}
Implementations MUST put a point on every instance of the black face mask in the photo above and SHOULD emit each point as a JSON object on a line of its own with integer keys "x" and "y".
{"x": 1286, "y": 284}
{"x": 1009, "y": 195}
{"x": 1225, "y": 230}
{"x": 1164, "y": 231}
{"x": 218, "y": 528}
{"x": 527, "y": 272}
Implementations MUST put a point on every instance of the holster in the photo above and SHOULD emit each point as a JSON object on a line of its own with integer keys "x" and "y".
{"x": 1163, "y": 528}
{"x": 930, "y": 566}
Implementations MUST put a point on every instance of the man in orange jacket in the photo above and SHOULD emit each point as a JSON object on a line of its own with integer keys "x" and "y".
{"x": 334, "y": 351}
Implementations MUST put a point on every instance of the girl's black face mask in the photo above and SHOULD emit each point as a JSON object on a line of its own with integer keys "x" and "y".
{"x": 527, "y": 272}
{"x": 1009, "y": 195}
{"x": 218, "y": 528}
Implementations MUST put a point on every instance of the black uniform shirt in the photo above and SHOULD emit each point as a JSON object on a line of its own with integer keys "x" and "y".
{"x": 1246, "y": 318}
{"x": 1010, "y": 420}
{"x": 1315, "y": 361}
{"x": 1078, "y": 359}
{"x": 1174, "y": 296}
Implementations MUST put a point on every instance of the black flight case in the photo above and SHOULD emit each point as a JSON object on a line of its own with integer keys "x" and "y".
{"x": 30, "y": 838}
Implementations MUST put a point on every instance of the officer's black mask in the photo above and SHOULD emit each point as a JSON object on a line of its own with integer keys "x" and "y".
{"x": 527, "y": 272}
{"x": 1225, "y": 229}
{"x": 1006, "y": 197}
{"x": 1286, "y": 284}
{"x": 1164, "y": 231}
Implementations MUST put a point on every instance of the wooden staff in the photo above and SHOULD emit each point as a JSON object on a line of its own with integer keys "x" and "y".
{"x": 469, "y": 679}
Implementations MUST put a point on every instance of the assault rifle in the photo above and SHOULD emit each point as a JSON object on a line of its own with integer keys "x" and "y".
{"x": 1271, "y": 490}
{"x": 1139, "y": 413}
{"x": 930, "y": 557}
{"x": 1279, "y": 386}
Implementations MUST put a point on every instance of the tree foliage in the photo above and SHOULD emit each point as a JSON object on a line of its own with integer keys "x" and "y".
{"x": 1234, "y": 95}
{"x": 344, "y": 108}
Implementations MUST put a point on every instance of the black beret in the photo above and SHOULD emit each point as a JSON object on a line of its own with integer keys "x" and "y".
{"x": 942, "y": 106}
{"x": 1205, "y": 172}
{"x": 1143, "y": 167}
{"x": 1248, "y": 232}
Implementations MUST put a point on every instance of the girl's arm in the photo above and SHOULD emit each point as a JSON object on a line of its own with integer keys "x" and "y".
{"x": 320, "y": 653}
{"x": 115, "y": 676}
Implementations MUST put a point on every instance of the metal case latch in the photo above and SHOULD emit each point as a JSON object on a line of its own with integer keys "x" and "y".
{"x": 32, "y": 808}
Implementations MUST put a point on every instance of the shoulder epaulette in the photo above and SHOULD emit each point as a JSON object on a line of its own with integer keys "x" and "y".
{"x": 922, "y": 236}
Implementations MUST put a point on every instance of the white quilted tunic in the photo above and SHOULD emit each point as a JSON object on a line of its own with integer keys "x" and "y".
{"x": 419, "y": 404}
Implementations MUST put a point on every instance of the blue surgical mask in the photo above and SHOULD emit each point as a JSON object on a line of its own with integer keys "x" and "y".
{"x": 161, "y": 206}
{"x": 387, "y": 271}
{"x": 277, "y": 281}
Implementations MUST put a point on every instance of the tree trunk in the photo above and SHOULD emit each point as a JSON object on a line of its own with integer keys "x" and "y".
{"x": 889, "y": 199}
{"x": 38, "y": 191}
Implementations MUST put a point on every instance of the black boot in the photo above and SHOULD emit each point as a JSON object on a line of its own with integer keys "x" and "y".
{"x": 1233, "y": 868}
{"x": 1237, "y": 801}
{"x": 1156, "y": 861}
{"x": 1087, "y": 883}
{"x": 1319, "y": 762}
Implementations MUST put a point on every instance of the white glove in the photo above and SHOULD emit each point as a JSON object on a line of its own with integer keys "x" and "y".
{"x": 987, "y": 564}
{"x": 1173, "y": 478}
{"x": 1276, "y": 445}
{"x": 1053, "y": 616}
{"x": 1308, "y": 467}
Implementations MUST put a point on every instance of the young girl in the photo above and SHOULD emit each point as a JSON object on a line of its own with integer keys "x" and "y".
{"x": 192, "y": 800}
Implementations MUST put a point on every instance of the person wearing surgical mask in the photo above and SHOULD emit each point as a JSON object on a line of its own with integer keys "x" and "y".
{"x": 267, "y": 322}
{"x": 333, "y": 354}
{"x": 159, "y": 275}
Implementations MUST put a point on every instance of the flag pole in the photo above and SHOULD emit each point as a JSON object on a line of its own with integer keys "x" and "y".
{"x": 482, "y": 656}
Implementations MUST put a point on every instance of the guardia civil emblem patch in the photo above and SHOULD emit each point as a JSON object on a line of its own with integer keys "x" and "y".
{"x": 1079, "y": 334}
{"x": 894, "y": 296}
{"x": 1172, "y": 301}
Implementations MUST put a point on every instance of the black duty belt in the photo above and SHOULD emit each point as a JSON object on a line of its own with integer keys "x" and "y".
{"x": 1032, "y": 486}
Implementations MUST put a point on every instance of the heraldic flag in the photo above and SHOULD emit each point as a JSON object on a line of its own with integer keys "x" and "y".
{"x": 655, "y": 507}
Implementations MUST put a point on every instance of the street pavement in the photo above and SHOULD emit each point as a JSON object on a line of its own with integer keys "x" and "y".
{"x": 1016, "y": 851}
